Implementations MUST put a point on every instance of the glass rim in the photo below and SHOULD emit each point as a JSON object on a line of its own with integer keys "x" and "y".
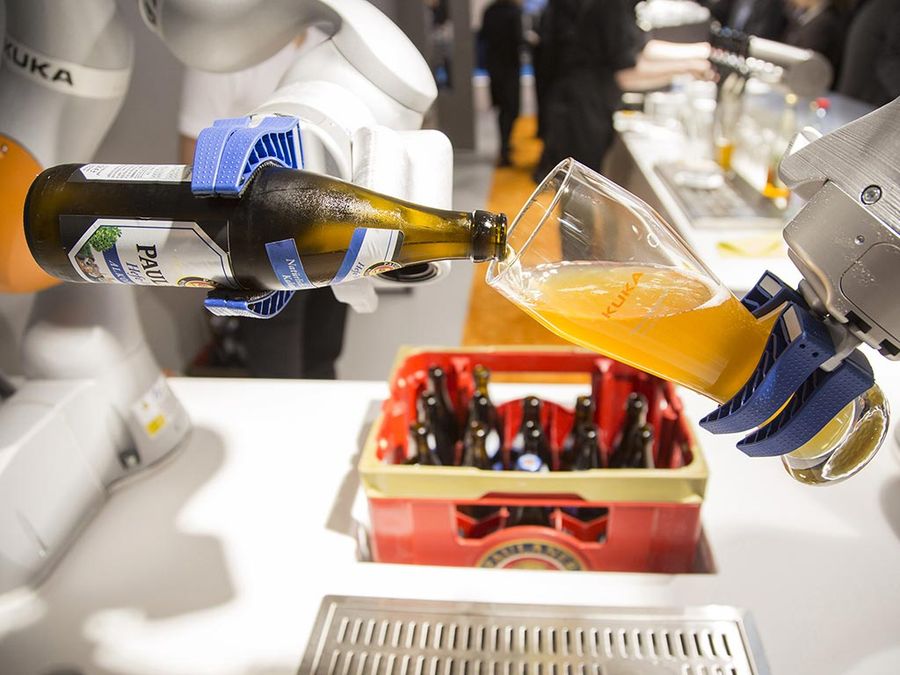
{"x": 566, "y": 166}
{"x": 618, "y": 193}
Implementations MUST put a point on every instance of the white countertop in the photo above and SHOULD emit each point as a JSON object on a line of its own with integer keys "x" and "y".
{"x": 216, "y": 562}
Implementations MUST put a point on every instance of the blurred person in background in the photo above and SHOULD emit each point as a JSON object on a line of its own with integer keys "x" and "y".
{"x": 870, "y": 67}
{"x": 501, "y": 42}
{"x": 306, "y": 338}
{"x": 763, "y": 18}
{"x": 593, "y": 51}
{"x": 441, "y": 31}
{"x": 817, "y": 25}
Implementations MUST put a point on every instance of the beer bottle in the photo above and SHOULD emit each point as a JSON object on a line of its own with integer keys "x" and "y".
{"x": 587, "y": 455}
{"x": 290, "y": 229}
{"x": 584, "y": 415}
{"x": 536, "y": 455}
{"x": 531, "y": 419}
{"x": 475, "y": 453}
{"x": 635, "y": 418}
{"x": 482, "y": 377}
{"x": 644, "y": 459}
{"x": 420, "y": 441}
{"x": 430, "y": 415}
{"x": 437, "y": 381}
{"x": 528, "y": 515}
{"x": 481, "y": 410}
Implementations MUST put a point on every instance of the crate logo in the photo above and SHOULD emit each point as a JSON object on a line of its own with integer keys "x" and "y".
{"x": 533, "y": 554}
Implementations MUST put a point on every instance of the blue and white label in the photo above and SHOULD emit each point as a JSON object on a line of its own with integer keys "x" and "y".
{"x": 285, "y": 261}
{"x": 371, "y": 251}
{"x": 531, "y": 463}
{"x": 151, "y": 253}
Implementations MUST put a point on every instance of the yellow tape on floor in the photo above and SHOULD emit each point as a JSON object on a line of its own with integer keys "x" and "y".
{"x": 491, "y": 319}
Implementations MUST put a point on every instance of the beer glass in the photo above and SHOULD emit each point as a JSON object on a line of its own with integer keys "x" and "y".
{"x": 597, "y": 266}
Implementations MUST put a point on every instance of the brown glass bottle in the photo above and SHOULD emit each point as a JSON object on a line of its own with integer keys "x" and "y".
{"x": 429, "y": 414}
{"x": 475, "y": 451}
{"x": 289, "y": 229}
{"x": 482, "y": 409}
{"x": 584, "y": 416}
{"x": 420, "y": 443}
{"x": 587, "y": 452}
{"x": 628, "y": 439}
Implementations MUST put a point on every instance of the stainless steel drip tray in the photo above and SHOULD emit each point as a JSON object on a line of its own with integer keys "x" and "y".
{"x": 380, "y": 636}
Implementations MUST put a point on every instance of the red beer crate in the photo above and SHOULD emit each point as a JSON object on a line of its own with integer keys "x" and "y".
{"x": 629, "y": 520}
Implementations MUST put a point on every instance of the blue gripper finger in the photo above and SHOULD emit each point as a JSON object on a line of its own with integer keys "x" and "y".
{"x": 263, "y": 305}
{"x": 769, "y": 294}
{"x": 815, "y": 404}
{"x": 229, "y": 151}
{"x": 798, "y": 344}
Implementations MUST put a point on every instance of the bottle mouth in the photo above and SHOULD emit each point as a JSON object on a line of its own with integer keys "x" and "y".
{"x": 489, "y": 236}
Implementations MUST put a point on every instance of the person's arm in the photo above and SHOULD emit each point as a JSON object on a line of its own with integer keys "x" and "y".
{"x": 661, "y": 50}
{"x": 660, "y": 61}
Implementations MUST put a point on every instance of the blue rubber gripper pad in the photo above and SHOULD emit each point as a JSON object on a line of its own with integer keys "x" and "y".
{"x": 798, "y": 344}
{"x": 768, "y": 294}
{"x": 815, "y": 404}
{"x": 263, "y": 305}
{"x": 229, "y": 151}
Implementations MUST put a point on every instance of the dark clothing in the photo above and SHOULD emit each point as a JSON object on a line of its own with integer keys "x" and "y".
{"x": 590, "y": 41}
{"x": 719, "y": 9}
{"x": 303, "y": 341}
{"x": 823, "y": 33}
{"x": 870, "y": 70}
{"x": 762, "y": 18}
{"x": 501, "y": 41}
{"x": 501, "y": 32}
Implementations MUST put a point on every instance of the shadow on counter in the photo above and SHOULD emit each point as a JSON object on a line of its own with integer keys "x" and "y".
{"x": 132, "y": 565}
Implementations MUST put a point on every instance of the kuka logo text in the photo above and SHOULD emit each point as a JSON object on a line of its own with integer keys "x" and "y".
{"x": 627, "y": 289}
{"x": 34, "y": 65}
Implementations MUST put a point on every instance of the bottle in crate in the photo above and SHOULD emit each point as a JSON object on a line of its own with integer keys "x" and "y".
{"x": 624, "y": 449}
{"x": 430, "y": 415}
{"x": 482, "y": 409}
{"x": 536, "y": 455}
{"x": 420, "y": 442}
{"x": 446, "y": 412}
{"x": 584, "y": 416}
{"x": 644, "y": 445}
{"x": 587, "y": 452}
{"x": 531, "y": 419}
{"x": 475, "y": 449}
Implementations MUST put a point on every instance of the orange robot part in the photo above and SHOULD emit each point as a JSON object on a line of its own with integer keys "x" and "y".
{"x": 19, "y": 273}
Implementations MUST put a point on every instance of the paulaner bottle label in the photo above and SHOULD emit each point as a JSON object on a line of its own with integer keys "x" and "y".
{"x": 151, "y": 253}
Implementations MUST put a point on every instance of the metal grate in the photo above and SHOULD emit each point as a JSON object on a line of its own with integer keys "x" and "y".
{"x": 373, "y": 636}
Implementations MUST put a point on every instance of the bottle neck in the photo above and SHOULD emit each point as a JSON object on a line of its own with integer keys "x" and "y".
{"x": 488, "y": 236}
